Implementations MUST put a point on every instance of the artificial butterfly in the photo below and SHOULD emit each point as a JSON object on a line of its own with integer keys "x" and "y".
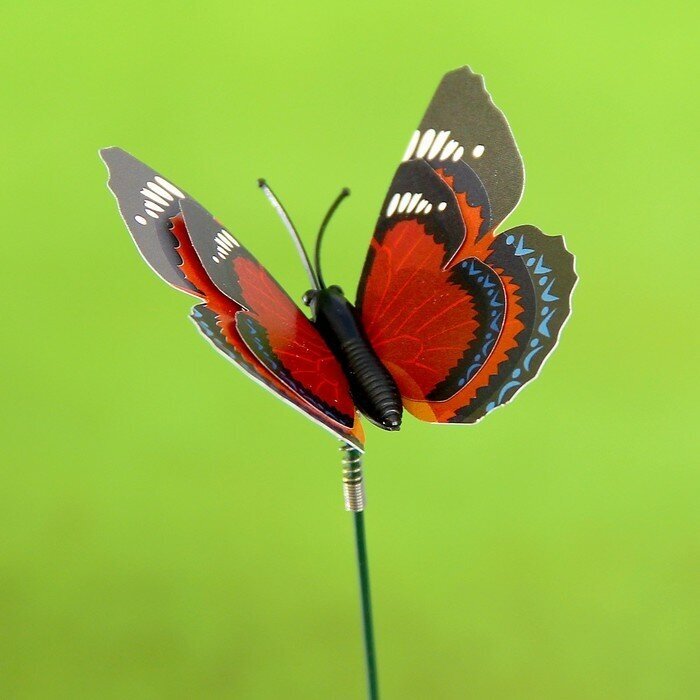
{"x": 451, "y": 319}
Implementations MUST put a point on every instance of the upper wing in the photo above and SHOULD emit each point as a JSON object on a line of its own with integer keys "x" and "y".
{"x": 461, "y": 317}
{"x": 462, "y": 123}
{"x": 147, "y": 202}
{"x": 246, "y": 315}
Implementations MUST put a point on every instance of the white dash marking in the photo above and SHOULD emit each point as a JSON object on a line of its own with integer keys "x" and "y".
{"x": 414, "y": 201}
{"x": 421, "y": 205}
{"x": 159, "y": 190}
{"x": 428, "y": 209}
{"x": 448, "y": 150}
{"x": 458, "y": 154}
{"x": 229, "y": 237}
{"x": 221, "y": 251}
{"x": 393, "y": 204}
{"x": 153, "y": 206}
{"x": 153, "y": 196}
{"x": 411, "y": 146}
{"x": 404, "y": 202}
{"x": 215, "y": 259}
{"x": 442, "y": 206}
{"x": 438, "y": 144}
{"x": 478, "y": 151}
{"x": 169, "y": 186}
{"x": 152, "y": 214}
{"x": 140, "y": 220}
{"x": 222, "y": 240}
{"x": 425, "y": 143}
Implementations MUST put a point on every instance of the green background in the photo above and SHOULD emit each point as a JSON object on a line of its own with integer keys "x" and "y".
{"x": 169, "y": 530}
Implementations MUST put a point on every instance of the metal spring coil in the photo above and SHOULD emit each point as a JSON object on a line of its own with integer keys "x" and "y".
{"x": 353, "y": 481}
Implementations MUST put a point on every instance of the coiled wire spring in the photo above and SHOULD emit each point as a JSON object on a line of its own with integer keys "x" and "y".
{"x": 353, "y": 481}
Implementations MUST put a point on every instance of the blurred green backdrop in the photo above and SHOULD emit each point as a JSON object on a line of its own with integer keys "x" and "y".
{"x": 168, "y": 530}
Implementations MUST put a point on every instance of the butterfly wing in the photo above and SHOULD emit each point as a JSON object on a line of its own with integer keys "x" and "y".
{"x": 462, "y": 318}
{"x": 270, "y": 324}
{"x": 245, "y": 315}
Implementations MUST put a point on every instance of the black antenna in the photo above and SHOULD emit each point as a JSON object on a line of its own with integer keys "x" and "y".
{"x": 317, "y": 255}
{"x": 282, "y": 213}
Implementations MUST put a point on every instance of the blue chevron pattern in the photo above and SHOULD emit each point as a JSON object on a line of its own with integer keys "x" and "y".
{"x": 544, "y": 280}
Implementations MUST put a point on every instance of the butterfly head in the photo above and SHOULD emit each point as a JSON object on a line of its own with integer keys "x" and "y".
{"x": 312, "y": 297}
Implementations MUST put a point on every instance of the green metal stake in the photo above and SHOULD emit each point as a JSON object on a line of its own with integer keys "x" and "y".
{"x": 354, "y": 494}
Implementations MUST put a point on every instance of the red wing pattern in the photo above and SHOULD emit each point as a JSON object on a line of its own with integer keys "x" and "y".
{"x": 427, "y": 323}
{"x": 463, "y": 318}
{"x": 418, "y": 322}
{"x": 194, "y": 253}
{"x": 284, "y": 340}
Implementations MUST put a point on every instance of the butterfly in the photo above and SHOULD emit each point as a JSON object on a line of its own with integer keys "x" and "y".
{"x": 451, "y": 318}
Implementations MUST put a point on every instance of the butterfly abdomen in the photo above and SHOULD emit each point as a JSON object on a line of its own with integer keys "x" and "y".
{"x": 378, "y": 395}
{"x": 373, "y": 389}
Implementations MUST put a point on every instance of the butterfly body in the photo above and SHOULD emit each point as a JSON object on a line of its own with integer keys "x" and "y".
{"x": 372, "y": 387}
